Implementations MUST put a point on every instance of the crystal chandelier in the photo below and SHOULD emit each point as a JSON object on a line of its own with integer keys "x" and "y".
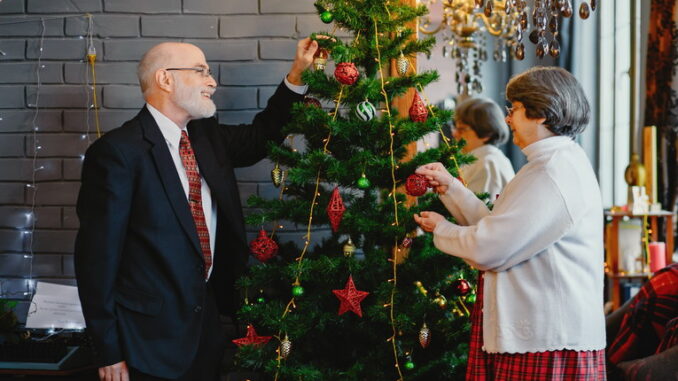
{"x": 464, "y": 23}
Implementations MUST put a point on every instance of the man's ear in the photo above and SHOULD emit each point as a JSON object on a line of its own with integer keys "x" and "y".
{"x": 164, "y": 80}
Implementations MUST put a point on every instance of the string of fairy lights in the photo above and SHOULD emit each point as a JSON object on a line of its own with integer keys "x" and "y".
{"x": 32, "y": 186}
{"x": 394, "y": 262}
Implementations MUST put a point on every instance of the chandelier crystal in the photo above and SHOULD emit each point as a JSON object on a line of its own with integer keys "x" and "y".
{"x": 465, "y": 25}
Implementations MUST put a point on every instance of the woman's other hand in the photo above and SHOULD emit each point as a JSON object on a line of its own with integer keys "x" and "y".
{"x": 428, "y": 220}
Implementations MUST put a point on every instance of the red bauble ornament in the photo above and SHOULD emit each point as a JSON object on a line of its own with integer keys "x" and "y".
{"x": 335, "y": 209}
{"x": 346, "y": 73}
{"x": 461, "y": 287}
{"x": 416, "y": 185}
{"x": 252, "y": 338}
{"x": 309, "y": 101}
{"x": 418, "y": 110}
{"x": 263, "y": 248}
{"x": 350, "y": 298}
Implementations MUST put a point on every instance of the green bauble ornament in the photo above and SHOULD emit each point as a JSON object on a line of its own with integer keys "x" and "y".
{"x": 409, "y": 364}
{"x": 363, "y": 182}
{"x": 471, "y": 298}
{"x": 326, "y": 17}
{"x": 297, "y": 291}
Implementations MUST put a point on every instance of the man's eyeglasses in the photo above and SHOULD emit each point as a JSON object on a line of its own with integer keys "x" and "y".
{"x": 203, "y": 71}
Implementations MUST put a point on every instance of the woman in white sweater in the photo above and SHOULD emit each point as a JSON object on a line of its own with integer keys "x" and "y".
{"x": 539, "y": 312}
{"x": 480, "y": 122}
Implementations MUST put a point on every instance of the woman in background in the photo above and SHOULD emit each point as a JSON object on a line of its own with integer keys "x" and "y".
{"x": 480, "y": 122}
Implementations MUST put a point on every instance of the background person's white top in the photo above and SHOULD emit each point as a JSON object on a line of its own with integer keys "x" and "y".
{"x": 542, "y": 250}
{"x": 490, "y": 173}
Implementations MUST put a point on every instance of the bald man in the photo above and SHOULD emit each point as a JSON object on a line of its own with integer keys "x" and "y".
{"x": 162, "y": 236}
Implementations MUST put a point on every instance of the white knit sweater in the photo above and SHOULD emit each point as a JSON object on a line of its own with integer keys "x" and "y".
{"x": 542, "y": 250}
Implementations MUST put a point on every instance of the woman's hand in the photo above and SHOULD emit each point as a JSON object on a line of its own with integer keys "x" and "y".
{"x": 438, "y": 176}
{"x": 428, "y": 220}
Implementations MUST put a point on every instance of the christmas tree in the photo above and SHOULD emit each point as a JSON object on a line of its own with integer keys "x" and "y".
{"x": 376, "y": 301}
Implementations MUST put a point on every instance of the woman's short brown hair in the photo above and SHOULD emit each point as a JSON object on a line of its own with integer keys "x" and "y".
{"x": 554, "y": 94}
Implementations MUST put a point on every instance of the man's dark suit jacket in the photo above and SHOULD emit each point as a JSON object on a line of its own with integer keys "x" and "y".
{"x": 138, "y": 260}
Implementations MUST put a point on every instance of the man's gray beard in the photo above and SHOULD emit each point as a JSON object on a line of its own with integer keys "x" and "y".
{"x": 191, "y": 100}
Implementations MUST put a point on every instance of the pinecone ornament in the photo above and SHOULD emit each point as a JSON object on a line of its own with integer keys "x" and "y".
{"x": 276, "y": 175}
{"x": 424, "y": 336}
{"x": 285, "y": 347}
{"x": 402, "y": 64}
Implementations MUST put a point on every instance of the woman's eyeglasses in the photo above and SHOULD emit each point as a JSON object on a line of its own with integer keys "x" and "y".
{"x": 510, "y": 110}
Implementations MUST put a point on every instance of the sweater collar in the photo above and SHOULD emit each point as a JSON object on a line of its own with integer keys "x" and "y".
{"x": 545, "y": 146}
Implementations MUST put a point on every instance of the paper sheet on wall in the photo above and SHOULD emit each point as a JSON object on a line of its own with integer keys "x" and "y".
{"x": 55, "y": 306}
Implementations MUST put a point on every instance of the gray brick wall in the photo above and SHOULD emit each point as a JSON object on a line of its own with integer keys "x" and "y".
{"x": 249, "y": 45}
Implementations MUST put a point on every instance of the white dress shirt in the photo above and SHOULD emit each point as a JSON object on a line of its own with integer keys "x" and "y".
{"x": 172, "y": 134}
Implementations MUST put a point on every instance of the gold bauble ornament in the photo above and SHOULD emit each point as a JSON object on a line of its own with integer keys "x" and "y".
{"x": 441, "y": 301}
{"x": 320, "y": 59}
{"x": 349, "y": 248}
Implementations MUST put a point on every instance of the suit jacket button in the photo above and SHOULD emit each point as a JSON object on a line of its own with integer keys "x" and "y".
{"x": 197, "y": 309}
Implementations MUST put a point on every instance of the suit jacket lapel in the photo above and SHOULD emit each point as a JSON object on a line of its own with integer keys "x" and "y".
{"x": 168, "y": 176}
{"x": 216, "y": 177}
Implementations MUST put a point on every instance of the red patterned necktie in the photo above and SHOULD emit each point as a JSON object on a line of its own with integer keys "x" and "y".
{"x": 195, "y": 198}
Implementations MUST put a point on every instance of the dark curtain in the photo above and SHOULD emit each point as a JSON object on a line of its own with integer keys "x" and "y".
{"x": 662, "y": 96}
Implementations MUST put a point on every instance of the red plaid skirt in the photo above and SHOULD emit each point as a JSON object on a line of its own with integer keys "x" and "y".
{"x": 537, "y": 366}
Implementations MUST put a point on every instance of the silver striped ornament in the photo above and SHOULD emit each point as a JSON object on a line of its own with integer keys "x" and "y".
{"x": 365, "y": 111}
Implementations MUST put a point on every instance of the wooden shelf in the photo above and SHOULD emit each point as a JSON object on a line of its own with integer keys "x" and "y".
{"x": 661, "y": 213}
{"x": 629, "y": 276}
{"x": 612, "y": 246}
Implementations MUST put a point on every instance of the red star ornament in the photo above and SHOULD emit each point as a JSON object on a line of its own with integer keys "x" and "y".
{"x": 350, "y": 298}
{"x": 252, "y": 338}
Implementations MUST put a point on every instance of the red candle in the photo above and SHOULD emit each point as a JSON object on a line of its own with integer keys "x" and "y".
{"x": 657, "y": 256}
